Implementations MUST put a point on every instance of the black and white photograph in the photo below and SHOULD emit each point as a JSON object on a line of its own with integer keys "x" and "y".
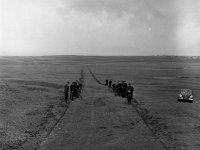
{"x": 99, "y": 75}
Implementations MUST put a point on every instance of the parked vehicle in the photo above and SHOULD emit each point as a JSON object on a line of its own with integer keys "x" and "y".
{"x": 185, "y": 95}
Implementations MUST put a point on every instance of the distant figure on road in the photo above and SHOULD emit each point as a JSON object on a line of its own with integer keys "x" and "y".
{"x": 110, "y": 83}
{"x": 106, "y": 82}
{"x": 72, "y": 91}
{"x": 113, "y": 87}
{"x": 129, "y": 93}
{"x": 124, "y": 89}
{"x": 66, "y": 91}
{"x": 76, "y": 91}
{"x": 119, "y": 89}
{"x": 80, "y": 87}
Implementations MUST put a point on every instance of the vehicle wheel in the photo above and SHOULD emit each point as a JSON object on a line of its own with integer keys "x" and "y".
{"x": 191, "y": 101}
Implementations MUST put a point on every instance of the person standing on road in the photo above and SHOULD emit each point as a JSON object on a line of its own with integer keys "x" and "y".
{"x": 124, "y": 89}
{"x": 72, "y": 89}
{"x": 110, "y": 83}
{"x": 80, "y": 87}
{"x": 66, "y": 91}
{"x": 117, "y": 89}
{"x": 129, "y": 93}
{"x": 120, "y": 89}
{"x": 113, "y": 87}
{"x": 106, "y": 82}
{"x": 76, "y": 90}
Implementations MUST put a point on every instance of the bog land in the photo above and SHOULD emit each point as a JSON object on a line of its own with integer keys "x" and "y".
{"x": 34, "y": 114}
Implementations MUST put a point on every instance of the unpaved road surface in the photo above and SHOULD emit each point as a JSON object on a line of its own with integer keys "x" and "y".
{"x": 101, "y": 121}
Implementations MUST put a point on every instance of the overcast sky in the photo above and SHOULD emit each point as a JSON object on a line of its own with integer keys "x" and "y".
{"x": 99, "y": 27}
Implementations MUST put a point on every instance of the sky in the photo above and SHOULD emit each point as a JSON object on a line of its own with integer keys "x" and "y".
{"x": 99, "y": 27}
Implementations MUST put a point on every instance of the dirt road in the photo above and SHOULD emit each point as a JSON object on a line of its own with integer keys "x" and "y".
{"x": 100, "y": 121}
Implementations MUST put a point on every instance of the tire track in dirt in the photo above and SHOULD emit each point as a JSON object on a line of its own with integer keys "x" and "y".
{"x": 152, "y": 123}
{"x": 97, "y": 80}
{"x": 47, "y": 135}
{"x": 81, "y": 79}
{"x": 143, "y": 113}
{"x": 92, "y": 126}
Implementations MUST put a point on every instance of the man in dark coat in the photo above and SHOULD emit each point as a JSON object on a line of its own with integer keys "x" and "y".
{"x": 124, "y": 89}
{"x": 72, "y": 91}
{"x": 110, "y": 83}
{"x": 80, "y": 87}
{"x": 113, "y": 87}
{"x": 129, "y": 93}
{"x": 106, "y": 82}
{"x": 76, "y": 89}
{"x": 119, "y": 88}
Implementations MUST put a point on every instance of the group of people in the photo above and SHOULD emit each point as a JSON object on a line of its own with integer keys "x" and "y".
{"x": 73, "y": 91}
{"x": 121, "y": 88}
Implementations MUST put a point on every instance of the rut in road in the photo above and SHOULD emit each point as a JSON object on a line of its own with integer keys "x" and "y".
{"x": 155, "y": 125}
{"x": 81, "y": 79}
{"x": 96, "y": 79}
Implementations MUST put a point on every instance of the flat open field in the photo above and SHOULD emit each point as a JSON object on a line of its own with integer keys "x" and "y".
{"x": 31, "y": 95}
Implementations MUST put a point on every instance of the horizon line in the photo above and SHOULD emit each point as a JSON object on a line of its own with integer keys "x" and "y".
{"x": 101, "y": 55}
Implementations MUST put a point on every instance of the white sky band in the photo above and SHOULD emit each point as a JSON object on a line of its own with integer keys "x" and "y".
{"x": 103, "y": 27}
